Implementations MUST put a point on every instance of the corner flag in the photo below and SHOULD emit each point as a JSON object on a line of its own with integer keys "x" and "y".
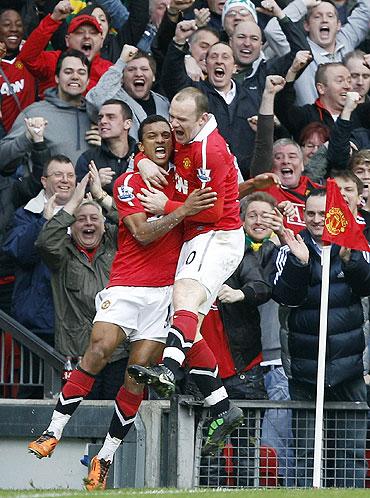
{"x": 341, "y": 227}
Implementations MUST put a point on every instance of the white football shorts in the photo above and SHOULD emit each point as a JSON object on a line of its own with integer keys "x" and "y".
{"x": 141, "y": 312}
{"x": 211, "y": 258}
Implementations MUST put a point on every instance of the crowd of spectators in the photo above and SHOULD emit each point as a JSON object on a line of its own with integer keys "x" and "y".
{"x": 288, "y": 83}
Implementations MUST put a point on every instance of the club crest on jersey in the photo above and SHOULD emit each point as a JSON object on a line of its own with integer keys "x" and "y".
{"x": 204, "y": 175}
{"x": 186, "y": 163}
{"x": 125, "y": 193}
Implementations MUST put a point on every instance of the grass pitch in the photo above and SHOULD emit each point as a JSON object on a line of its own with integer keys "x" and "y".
{"x": 203, "y": 493}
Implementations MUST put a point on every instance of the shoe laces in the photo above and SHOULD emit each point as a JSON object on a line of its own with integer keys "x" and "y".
{"x": 44, "y": 437}
{"x": 104, "y": 467}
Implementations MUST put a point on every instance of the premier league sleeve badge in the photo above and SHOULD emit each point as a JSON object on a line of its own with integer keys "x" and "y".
{"x": 125, "y": 193}
{"x": 204, "y": 175}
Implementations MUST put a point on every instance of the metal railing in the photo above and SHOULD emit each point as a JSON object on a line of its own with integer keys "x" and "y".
{"x": 255, "y": 456}
{"x": 26, "y": 360}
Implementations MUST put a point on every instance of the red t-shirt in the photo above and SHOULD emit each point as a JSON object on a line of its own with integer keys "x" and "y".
{"x": 153, "y": 265}
{"x": 297, "y": 197}
{"x": 23, "y": 85}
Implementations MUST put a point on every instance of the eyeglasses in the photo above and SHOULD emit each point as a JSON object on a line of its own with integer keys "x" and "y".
{"x": 59, "y": 175}
{"x": 241, "y": 12}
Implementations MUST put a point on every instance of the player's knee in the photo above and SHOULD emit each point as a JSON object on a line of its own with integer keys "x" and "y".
{"x": 189, "y": 295}
{"x": 101, "y": 349}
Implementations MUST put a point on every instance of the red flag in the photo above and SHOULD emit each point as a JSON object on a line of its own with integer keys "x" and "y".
{"x": 341, "y": 227}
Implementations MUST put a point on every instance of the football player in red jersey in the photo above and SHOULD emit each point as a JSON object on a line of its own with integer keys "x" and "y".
{"x": 135, "y": 305}
{"x": 213, "y": 247}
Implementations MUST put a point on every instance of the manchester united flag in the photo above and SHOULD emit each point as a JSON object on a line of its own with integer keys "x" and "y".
{"x": 341, "y": 227}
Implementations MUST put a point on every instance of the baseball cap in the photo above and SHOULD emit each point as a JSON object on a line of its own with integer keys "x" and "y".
{"x": 246, "y": 4}
{"x": 77, "y": 21}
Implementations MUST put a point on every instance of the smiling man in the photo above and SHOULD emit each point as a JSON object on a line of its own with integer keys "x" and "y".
{"x": 112, "y": 157}
{"x": 329, "y": 41}
{"x": 235, "y": 12}
{"x": 130, "y": 79}
{"x": 295, "y": 187}
{"x": 357, "y": 62}
{"x": 297, "y": 286}
{"x": 32, "y": 303}
{"x": 333, "y": 83}
{"x": 84, "y": 34}
{"x": 232, "y": 97}
{"x": 12, "y": 71}
{"x": 63, "y": 109}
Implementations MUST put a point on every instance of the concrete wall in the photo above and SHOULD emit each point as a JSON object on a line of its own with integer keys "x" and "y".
{"x": 21, "y": 421}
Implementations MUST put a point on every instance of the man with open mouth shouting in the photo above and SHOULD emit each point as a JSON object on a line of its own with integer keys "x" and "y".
{"x": 84, "y": 34}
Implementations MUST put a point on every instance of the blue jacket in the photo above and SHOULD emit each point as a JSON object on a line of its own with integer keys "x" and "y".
{"x": 32, "y": 303}
{"x": 299, "y": 286}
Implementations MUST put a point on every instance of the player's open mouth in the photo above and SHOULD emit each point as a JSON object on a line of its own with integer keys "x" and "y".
{"x": 160, "y": 152}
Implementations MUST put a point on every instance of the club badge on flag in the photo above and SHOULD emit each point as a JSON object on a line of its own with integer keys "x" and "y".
{"x": 341, "y": 227}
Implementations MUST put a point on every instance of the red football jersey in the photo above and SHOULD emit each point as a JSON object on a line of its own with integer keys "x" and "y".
{"x": 23, "y": 86}
{"x": 207, "y": 162}
{"x": 153, "y": 265}
{"x": 297, "y": 197}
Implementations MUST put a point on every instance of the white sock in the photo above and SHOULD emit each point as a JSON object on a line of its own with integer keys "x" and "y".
{"x": 109, "y": 448}
{"x": 57, "y": 424}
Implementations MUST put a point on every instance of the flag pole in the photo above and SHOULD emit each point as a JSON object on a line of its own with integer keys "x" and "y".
{"x": 317, "y": 465}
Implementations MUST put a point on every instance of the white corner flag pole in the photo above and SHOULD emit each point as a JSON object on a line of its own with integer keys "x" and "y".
{"x": 317, "y": 465}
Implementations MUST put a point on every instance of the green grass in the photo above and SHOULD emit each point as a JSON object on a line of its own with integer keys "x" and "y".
{"x": 204, "y": 493}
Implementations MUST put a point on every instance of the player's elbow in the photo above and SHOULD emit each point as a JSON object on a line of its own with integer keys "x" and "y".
{"x": 142, "y": 238}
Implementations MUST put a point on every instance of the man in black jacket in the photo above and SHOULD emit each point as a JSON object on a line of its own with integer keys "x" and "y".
{"x": 230, "y": 101}
{"x": 333, "y": 82}
{"x": 14, "y": 193}
{"x": 297, "y": 285}
{"x": 117, "y": 148}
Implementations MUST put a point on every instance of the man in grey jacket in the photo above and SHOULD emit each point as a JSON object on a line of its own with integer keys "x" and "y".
{"x": 328, "y": 40}
{"x": 63, "y": 109}
{"x": 130, "y": 79}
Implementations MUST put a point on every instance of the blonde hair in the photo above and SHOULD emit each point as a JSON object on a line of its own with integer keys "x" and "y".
{"x": 360, "y": 157}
